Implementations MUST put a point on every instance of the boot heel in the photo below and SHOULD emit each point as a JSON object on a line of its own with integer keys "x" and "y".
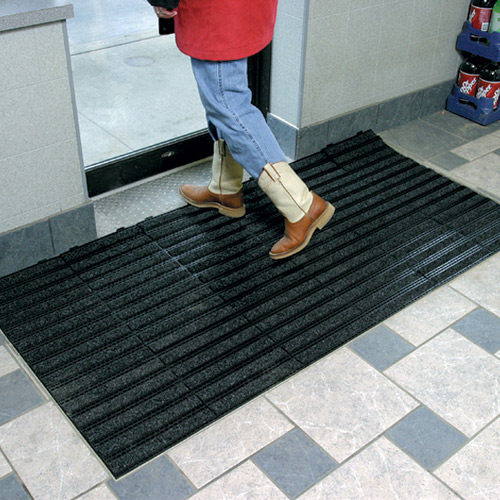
{"x": 232, "y": 212}
{"x": 326, "y": 216}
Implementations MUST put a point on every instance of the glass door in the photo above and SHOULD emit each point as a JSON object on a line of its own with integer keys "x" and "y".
{"x": 136, "y": 96}
{"x": 138, "y": 106}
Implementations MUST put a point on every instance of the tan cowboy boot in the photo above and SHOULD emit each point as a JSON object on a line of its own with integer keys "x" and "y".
{"x": 225, "y": 190}
{"x": 303, "y": 210}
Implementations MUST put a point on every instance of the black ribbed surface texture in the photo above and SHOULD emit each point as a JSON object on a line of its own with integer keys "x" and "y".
{"x": 147, "y": 335}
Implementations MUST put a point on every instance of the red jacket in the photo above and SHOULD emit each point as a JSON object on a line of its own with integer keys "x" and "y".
{"x": 223, "y": 30}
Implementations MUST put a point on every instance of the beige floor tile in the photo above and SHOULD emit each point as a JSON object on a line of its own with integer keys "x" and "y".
{"x": 342, "y": 403}
{"x": 381, "y": 472}
{"x": 7, "y": 362}
{"x": 49, "y": 456}
{"x": 246, "y": 482}
{"x": 482, "y": 284}
{"x": 102, "y": 492}
{"x": 474, "y": 472}
{"x": 4, "y": 466}
{"x": 430, "y": 315}
{"x": 225, "y": 444}
{"x": 483, "y": 173}
{"x": 455, "y": 378}
{"x": 480, "y": 147}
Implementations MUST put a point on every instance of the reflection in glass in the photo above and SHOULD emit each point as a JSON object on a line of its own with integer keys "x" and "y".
{"x": 133, "y": 88}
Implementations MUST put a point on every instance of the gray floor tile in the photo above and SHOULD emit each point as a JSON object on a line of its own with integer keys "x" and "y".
{"x": 426, "y": 437}
{"x": 12, "y": 489}
{"x": 159, "y": 479}
{"x": 2, "y": 338}
{"x": 295, "y": 462}
{"x": 448, "y": 160}
{"x": 482, "y": 327}
{"x": 497, "y": 152}
{"x": 457, "y": 125}
{"x": 381, "y": 347}
{"x": 17, "y": 395}
{"x": 421, "y": 139}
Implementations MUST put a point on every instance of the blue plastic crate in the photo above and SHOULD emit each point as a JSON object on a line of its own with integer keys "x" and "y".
{"x": 488, "y": 47}
{"x": 476, "y": 109}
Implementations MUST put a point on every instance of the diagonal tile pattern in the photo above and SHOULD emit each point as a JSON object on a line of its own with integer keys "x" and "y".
{"x": 443, "y": 375}
{"x": 452, "y": 332}
{"x": 381, "y": 472}
{"x": 246, "y": 482}
{"x": 342, "y": 409}
{"x": 49, "y": 456}
{"x": 474, "y": 472}
{"x": 429, "y": 315}
{"x": 230, "y": 441}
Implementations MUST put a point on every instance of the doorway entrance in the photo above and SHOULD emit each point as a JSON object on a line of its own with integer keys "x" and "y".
{"x": 138, "y": 106}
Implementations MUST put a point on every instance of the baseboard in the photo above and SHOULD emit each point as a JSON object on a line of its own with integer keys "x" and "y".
{"x": 24, "y": 247}
{"x": 299, "y": 143}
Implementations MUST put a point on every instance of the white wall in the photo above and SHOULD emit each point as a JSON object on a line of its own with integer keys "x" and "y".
{"x": 335, "y": 56}
{"x": 41, "y": 171}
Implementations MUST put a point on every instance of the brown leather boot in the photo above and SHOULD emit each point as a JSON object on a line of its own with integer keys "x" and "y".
{"x": 230, "y": 205}
{"x": 298, "y": 234}
{"x": 303, "y": 210}
{"x": 224, "y": 191}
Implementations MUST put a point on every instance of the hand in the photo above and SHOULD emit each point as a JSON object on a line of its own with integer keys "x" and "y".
{"x": 165, "y": 13}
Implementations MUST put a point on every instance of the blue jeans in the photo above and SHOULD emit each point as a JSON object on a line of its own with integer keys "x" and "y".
{"x": 224, "y": 93}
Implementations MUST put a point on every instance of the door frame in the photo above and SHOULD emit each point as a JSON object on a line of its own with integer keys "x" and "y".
{"x": 120, "y": 171}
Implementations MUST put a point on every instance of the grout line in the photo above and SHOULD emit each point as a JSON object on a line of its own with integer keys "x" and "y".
{"x": 90, "y": 490}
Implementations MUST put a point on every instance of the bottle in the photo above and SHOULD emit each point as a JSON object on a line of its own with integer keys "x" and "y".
{"x": 468, "y": 75}
{"x": 480, "y": 15}
{"x": 495, "y": 18}
{"x": 489, "y": 83}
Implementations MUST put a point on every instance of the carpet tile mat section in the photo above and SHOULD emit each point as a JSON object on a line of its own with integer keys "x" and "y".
{"x": 147, "y": 335}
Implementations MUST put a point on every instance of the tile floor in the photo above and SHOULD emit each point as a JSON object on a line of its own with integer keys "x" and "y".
{"x": 409, "y": 410}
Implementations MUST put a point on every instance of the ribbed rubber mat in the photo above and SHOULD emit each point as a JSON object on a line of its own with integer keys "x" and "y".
{"x": 147, "y": 335}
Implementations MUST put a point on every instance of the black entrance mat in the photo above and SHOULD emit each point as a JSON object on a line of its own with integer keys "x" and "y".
{"x": 149, "y": 334}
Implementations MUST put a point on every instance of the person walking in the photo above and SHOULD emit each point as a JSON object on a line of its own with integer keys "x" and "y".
{"x": 219, "y": 36}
